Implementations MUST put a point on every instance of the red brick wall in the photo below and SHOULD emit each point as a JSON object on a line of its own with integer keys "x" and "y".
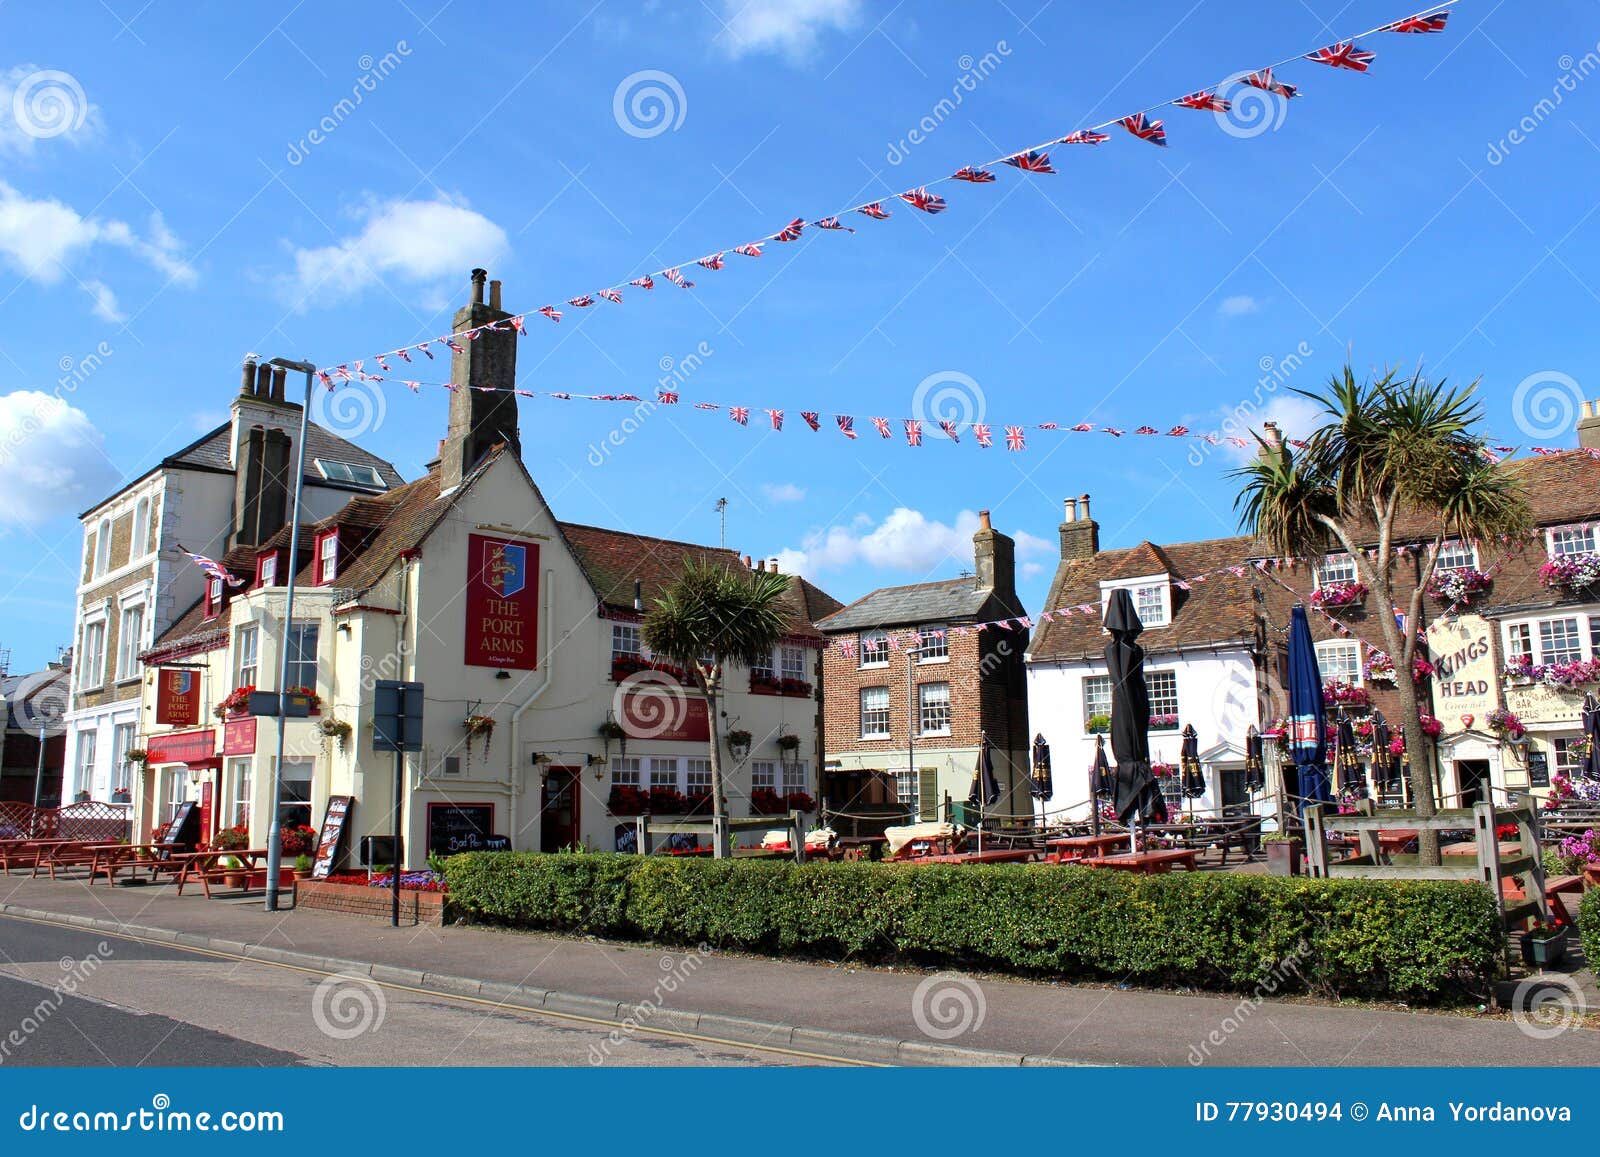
{"x": 360, "y": 900}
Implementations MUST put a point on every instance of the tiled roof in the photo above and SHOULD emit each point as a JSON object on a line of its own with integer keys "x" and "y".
{"x": 1217, "y": 611}
{"x": 946, "y": 601}
{"x": 211, "y": 451}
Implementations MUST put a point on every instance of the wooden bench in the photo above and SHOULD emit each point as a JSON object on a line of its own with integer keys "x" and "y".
{"x": 207, "y": 867}
{"x": 109, "y": 859}
{"x": 63, "y": 854}
{"x": 1149, "y": 863}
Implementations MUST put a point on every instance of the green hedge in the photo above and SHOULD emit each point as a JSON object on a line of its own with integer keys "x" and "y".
{"x": 1409, "y": 941}
{"x": 1589, "y": 928}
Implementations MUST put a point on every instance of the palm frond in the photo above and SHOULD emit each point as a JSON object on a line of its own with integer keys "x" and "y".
{"x": 709, "y": 610}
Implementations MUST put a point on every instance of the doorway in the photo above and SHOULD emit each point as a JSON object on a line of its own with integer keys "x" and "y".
{"x": 1472, "y": 779}
{"x": 1233, "y": 793}
{"x": 558, "y": 815}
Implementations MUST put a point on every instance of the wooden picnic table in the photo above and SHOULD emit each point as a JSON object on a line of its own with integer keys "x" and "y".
{"x": 53, "y": 854}
{"x": 20, "y": 853}
{"x": 987, "y": 856}
{"x": 207, "y": 866}
{"x": 1066, "y": 849}
{"x": 109, "y": 859}
{"x": 1149, "y": 863}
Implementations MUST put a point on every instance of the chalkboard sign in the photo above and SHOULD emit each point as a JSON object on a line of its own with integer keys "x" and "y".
{"x": 332, "y": 834}
{"x": 1538, "y": 769}
{"x": 460, "y": 827}
{"x": 184, "y": 827}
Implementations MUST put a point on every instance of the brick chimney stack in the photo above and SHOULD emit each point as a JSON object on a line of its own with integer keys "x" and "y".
{"x": 1080, "y": 534}
{"x": 994, "y": 559}
{"x": 479, "y": 419}
{"x": 264, "y": 426}
{"x": 1589, "y": 426}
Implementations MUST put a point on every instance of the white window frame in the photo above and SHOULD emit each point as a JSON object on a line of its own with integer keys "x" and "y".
{"x": 297, "y": 660}
{"x": 879, "y": 641}
{"x": 241, "y": 785}
{"x": 310, "y": 765}
{"x": 624, "y": 634}
{"x": 102, "y": 547}
{"x": 91, "y": 667}
{"x": 129, "y": 643}
{"x": 627, "y": 771}
{"x": 796, "y": 777}
{"x": 935, "y": 643}
{"x": 1528, "y": 637}
{"x": 1563, "y": 760}
{"x": 763, "y": 774}
{"x": 765, "y": 666}
{"x": 1145, "y": 590}
{"x": 906, "y": 784}
{"x": 139, "y": 544}
{"x": 269, "y": 570}
{"x": 1091, "y": 702}
{"x": 696, "y": 776}
{"x": 123, "y": 737}
{"x": 1331, "y": 570}
{"x": 1328, "y": 647}
{"x": 885, "y": 710}
{"x": 1456, "y": 554}
{"x": 1568, "y": 540}
{"x": 177, "y": 793}
{"x": 336, "y": 470}
{"x": 88, "y": 751}
{"x": 1155, "y": 707}
{"x": 664, "y": 772}
{"x": 931, "y": 706}
{"x": 792, "y": 663}
{"x": 247, "y": 674}
{"x": 328, "y": 558}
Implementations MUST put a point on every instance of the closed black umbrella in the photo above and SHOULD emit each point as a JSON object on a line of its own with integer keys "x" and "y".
{"x": 1255, "y": 768}
{"x": 1194, "y": 780}
{"x": 1385, "y": 764}
{"x": 1346, "y": 759}
{"x": 1138, "y": 796}
{"x": 985, "y": 787}
{"x": 1589, "y": 765}
{"x": 1043, "y": 786}
{"x": 1101, "y": 784}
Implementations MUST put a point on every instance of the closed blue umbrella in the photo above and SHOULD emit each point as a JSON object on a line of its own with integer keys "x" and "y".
{"x": 1307, "y": 720}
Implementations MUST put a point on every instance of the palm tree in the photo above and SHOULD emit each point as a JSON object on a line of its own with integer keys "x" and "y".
{"x": 1392, "y": 448}
{"x": 709, "y": 617}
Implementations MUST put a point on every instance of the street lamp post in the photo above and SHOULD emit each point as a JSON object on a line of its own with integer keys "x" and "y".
{"x": 274, "y": 827}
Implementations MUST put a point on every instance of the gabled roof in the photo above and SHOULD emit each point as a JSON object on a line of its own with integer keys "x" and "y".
{"x": 1219, "y": 611}
{"x": 946, "y": 601}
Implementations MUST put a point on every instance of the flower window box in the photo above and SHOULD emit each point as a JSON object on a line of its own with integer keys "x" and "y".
{"x": 1335, "y": 596}
{"x": 1571, "y": 573}
{"x": 1457, "y": 587}
{"x": 765, "y": 683}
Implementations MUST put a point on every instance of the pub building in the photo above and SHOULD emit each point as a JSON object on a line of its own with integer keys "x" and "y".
{"x": 547, "y": 722}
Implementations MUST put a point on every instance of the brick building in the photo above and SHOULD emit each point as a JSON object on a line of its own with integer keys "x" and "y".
{"x": 912, "y": 687}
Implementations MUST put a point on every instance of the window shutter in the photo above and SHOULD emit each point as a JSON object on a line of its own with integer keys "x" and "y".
{"x": 928, "y": 794}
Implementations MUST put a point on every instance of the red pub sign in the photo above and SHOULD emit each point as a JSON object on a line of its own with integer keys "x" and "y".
{"x": 666, "y": 714}
{"x": 183, "y": 747}
{"x": 239, "y": 736}
{"x": 502, "y": 603}
{"x": 177, "y": 697}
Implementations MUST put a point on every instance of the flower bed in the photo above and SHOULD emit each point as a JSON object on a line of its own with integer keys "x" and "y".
{"x": 1571, "y": 572}
{"x": 350, "y": 895}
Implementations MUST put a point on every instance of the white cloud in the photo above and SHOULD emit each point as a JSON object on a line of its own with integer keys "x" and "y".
{"x": 907, "y": 540}
{"x": 41, "y": 238}
{"x": 51, "y": 107}
{"x": 414, "y": 242}
{"x": 783, "y": 492}
{"x": 52, "y": 459}
{"x": 1296, "y": 417}
{"x": 789, "y": 27}
{"x": 105, "y": 301}
{"x": 1238, "y": 306}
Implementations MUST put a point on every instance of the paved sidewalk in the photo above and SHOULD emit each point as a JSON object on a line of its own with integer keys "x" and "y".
{"x": 906, "y": 1016}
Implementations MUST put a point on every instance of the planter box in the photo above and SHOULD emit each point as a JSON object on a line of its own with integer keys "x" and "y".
{"x": 360, "y": 900}
{"x": 1591, "y": 876}
{"x": 1283, "y": 857}
{"x": 1546, "y": 953}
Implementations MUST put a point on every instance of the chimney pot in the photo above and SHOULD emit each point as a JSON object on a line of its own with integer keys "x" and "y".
{"x": 494, "y": 295}
{"x": 478, "y": 278}
{"x": 746, "y": 562}
{"x": 638, "y": 594}
{"x": 1071, "y": 510}
{"x": 772, "y": 565}
{"x": 983, "y": 520}
{"x": 247, "y": 381}
{"x": 1588, "y": 409}
{"x": 279, "y": 374}
{"x": 264, "y": 380}
{"x": 1083, "y": 507}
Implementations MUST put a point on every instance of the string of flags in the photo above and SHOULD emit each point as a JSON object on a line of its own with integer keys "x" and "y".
{"x": 213, "y": 568}
{"x": 1345, "y": 55}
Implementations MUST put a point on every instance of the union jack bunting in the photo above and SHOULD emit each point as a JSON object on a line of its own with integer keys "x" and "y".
{"x": 810, "y": 417}
{"x": 667, "y": 398}
{"x": 213, "y": 568}
{"x": 1434, "y": 22}
{"x": 516, "y": 324}
{"x": 322, "y": 376}
{"x": 1345, "y": 55}
{"x": 1204, "y": 101}
{"x": 1083, "y": 427}
{"x": 1049, "y": 425}
{"x": 1178, "y": 432}
{"x": 1015, "y": 438}
{"x": 1112, "y": 430}
{"x": 913, "y": 432}
{"x": 791, "y": 231}
{"x": 832, "y": 223}
{"x": 382, "y": 365}
{"x": 1146, "y": 129}
{"x": 551, "y": 312}
{"x": 751, "y": 250}
{"x": 612, "y": 295}
{"x": 1084, "y": 137}
{"x": 777, "y": 418}
{"x": 1147, "y": 430}
{"x": 416, "y": 388}
{"x": 1264, "y": 81}
{"x": 847, "y": 425}
{"x": 424, "y": 348}
{"x": 516, "y": 321}
{"x": 712, "y": 262}
{"x": 875, "y": 210}
{"x": 740, "y": 414}
{"x": 645, "y": 282}
{"x": 982, "y": 434}
{"x": 707, "y": 406}
{"x": 924, "y": 200}
{"x": 882, "y": 426}
{"x": 1031, "y": 161}
{"x": 583, "y": 302}
{"x": 455, "y": 347}
{"x": 949, "y": 429}
{"x": 677, "y": 278}
{"x": 975, "y": 175}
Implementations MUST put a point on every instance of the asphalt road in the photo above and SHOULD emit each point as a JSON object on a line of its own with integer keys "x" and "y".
{"x": 69, "y": 997}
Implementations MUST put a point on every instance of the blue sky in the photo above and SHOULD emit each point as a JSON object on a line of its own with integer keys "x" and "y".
{"x": 162, "y": 200}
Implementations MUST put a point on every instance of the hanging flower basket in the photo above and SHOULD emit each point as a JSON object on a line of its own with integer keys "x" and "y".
{"x": 1571, "y": 573}
{"x": 478, "y": 727}
{"x": 788, "y": 743}
{"x": 1337, "y": 595}
{"x": 1431, "y": 727}
{"x": 612, "y": 730}
{"x": 335, "y": 729}
{"x": 1456, "y": 587}
{"x": 136, "y": 755}
{"x": 1504, "y": 722}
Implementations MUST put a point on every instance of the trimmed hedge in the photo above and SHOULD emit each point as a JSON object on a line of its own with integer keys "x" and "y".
{"x": 1589, "y": 929}
{"x": 1419, "y": 941}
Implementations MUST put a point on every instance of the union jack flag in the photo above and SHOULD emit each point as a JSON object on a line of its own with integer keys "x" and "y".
{"x": 1178, "y": 432}
{"x": 1015, "y": 438}
{"x": 563, "y": 397}
{"x": 645, "y": 282}
{"x": 777, "y": 418}
{"x": 677, "y": 278}
{"x": 516, "y": 324}
{"x": 1434, "y": 22}
{"x": 382, "y": 365}
{"x": 1147, "y": 430}
{"x": 551, "y": 312}
{"x": 982, "y": 434}
{"x": 1084, "y": 427}
{"x": 751, "y": 250}
{"x": 1084, "y": 137}
{"x": 712, "y": 262}
{"x": 740, "y": 414}
{"x": 924, "y": 200}
{"x": 455, "y": 346}
{"x": 875, "y": 210}
{"x": 1113, "y": 431}
{"x": 791, "y": 231}
{"x": 811, "y": 418}
{"x": 707, "y": 406}
{"x": 1146, "y": 129}
{"x": 424, "y": 348}
{"x": 1345, "y": 55}
{"x": 949, "y": 429}
{"x": 913, "y": 432}
{"x": 882, "y": 426}
{"x": 832, "y": 223}
{"x": 583, "y": 302}
{"x": 213, "y": 568}
{"x": 612, "y": 295}
{"x": 1031, "y": 161}
{"x": 667, "y": 398}
{"x": 407, "y": 357}
{"x": 976, "y": 176}
{"x": 1204, "y": 101}
{"x": 416, "y": 387}
{"x": 847, "y": 425}
{"x": 1264, "y": 81}
{"x": 322, "y": 375}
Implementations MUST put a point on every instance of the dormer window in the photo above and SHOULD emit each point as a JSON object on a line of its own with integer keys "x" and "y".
{"x": 267, "y": 569}
{"x": 216, "y": 597}
{"x": 327, "y": 557}
{"x": 1152, "y": 598}
{"x": 351, "y": 473}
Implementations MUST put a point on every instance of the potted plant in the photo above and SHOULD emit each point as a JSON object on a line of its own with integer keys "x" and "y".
{"x": 81, "y": 797}
{"x": 302, "y": 867}
{"x": 739, "y": 743}
{"x": 1545, "y": 944}
{"x": 297, "y": 839}
{"x": 121, "y": 795}
{"x": 788, "y": 743}
{"x": 1098, "y": 724}
{"x": 1283, "y": 853}
{"x": 137, "y": 756}
{"x": 332, "y": 727}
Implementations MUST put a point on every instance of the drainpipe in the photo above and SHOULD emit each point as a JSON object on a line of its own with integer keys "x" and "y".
{"x": 547, "y": 614}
